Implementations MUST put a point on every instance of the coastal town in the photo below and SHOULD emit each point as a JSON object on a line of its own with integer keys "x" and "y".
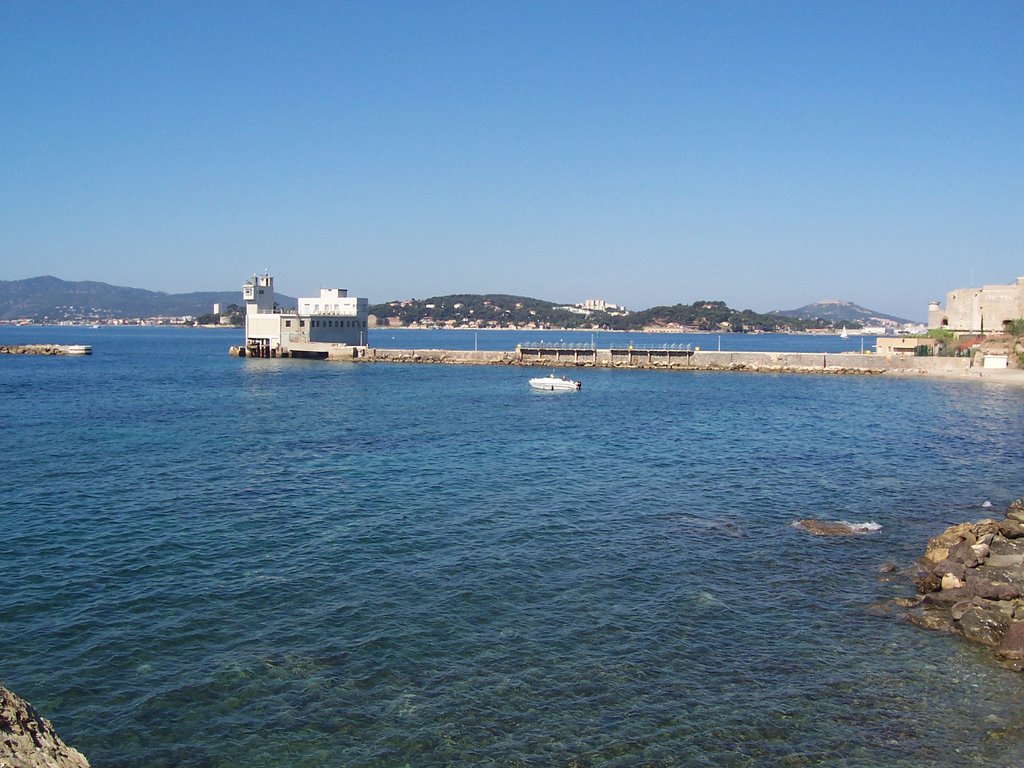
{"x": 45, "y": 301}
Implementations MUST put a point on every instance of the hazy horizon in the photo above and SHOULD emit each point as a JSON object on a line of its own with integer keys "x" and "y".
{"x": 558, "y": 300}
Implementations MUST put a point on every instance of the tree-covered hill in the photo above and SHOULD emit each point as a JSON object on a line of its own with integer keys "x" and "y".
{"x": 502, "y": 310}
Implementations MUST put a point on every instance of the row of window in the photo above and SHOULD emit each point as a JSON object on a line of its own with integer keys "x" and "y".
{"x": 328, "y": 323}
{"x": 337, "y": 323}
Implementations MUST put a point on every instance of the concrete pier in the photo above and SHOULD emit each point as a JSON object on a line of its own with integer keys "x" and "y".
{"x": 675, "y": 359}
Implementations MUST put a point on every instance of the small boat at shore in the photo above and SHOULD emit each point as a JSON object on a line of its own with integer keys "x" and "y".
{"x": 552, "y": 383}
{"x": 79, "y": 349}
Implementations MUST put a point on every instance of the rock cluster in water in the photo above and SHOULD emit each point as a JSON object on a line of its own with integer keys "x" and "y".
{"x": 27, "y": 740}
{"x": 970, "y": 581}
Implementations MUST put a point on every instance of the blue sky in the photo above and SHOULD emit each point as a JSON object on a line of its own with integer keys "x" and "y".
{"x": 768, "y": 154}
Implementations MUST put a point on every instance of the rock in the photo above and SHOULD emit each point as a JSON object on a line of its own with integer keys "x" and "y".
{"x": 1011, "y": 646}
{"x": 949, "y": 581}
{"x": 991, "y": 590}
{"x": 834, "y": 527}
{"x": 939, "y": 546}
{"x": 957, "y": 611}
{"x": 888, "y": 568}
{"x": 906, "y": 602}
{"x": 28, "y": 740}
{"x": 964, "y": 553}
{"x": 930, "y": 620}
{"x": 927, "y": 581}
{"x": 950, "y": 566}
{"x": 1004, "y": 561}
{"x": 946, "y": 598}
{"x": 1016, "y": 511}
{"x": 971, "y": 578}
{"x": 983, "y": 625}
{"x": 1004, "y": 546}
{"x": 1011, "y": 529}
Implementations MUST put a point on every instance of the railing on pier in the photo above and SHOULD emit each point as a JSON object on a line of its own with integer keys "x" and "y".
{"x": 566, "y": 345}
{"x": 656, "y": 347}
{"x": 563, "y": 353}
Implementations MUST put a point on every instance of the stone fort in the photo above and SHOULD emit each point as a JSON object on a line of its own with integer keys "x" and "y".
{"x": 978, "y": 310}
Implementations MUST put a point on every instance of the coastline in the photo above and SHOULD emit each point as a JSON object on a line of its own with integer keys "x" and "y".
{"x": 1011, "y": 377}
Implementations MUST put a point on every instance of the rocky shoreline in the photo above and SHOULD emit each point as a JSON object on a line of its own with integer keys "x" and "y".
{"x": 28, "y": 740}
{"x": 970, "y": 581}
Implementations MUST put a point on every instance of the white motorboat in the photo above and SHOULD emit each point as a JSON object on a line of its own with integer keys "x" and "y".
{"x": 552, "y": 383}
{"x": 79, "y": 349}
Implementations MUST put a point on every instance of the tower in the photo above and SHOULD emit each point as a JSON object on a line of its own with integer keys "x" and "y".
{"x": 258, "y": 294}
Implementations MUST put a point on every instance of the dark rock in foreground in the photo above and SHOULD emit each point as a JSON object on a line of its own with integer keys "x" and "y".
{"x": 970, "y": 581}
{"x": 27, "y": 740}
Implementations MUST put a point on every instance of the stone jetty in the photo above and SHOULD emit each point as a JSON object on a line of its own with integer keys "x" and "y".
{"x": 668, "y": 358}
{"x": 28, "y": 740}
{"x": 970, "y": 581}
{"x": 33, "y": 349}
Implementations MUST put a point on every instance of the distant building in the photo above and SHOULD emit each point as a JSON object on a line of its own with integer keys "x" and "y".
{"x": 904, "y": 346}
{"x": 977, "y": 310}
{"x": 600, "y": 305}
{"x": 329, "y": 320}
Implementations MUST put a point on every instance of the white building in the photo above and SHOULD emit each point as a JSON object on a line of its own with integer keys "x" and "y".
{"x": 600, "y": 305}
{"x": 320, "y": 325}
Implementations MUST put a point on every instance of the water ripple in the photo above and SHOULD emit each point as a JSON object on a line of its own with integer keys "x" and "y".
{"x": 236, "y": 563}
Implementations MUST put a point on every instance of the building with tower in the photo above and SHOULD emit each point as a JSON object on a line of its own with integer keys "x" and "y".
{"x": 319, "y": 326}
{"x": 979, "y": 310}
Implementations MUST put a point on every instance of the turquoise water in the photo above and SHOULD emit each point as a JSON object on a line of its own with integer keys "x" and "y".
{"x": 221, "y": 562}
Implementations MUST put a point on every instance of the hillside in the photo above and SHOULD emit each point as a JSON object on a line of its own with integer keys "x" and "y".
{"x": 501, "y": 310}
{"x": 835, "y": 311}
{"x": 50, "y": 299}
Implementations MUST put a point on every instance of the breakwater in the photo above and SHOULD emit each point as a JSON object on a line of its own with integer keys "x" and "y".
{"x": 671, "y": 359}
{"x": 45, "y": 349}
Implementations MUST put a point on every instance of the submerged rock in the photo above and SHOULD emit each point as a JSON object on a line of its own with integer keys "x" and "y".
{"x": 28, "y": 740}
{"x": 835, "y": 527}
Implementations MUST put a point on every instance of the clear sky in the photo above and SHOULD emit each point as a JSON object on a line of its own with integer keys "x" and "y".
{"x": 768, "y": 154}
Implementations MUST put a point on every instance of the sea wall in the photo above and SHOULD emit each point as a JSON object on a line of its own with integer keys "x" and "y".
{"x": 673, "y": 359}
{"x": 448, "y": 356}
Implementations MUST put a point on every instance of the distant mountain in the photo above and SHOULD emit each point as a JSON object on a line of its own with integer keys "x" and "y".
{"x": 835, "y": 311}
{"x": 52, "y": 299}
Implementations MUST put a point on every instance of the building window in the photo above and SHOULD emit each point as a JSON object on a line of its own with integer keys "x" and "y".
{"x": 302, "y": 323}
{"x": 287, "y": 323}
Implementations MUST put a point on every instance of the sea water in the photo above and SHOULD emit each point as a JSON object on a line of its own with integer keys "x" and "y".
{"x": 214, "y": 562}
